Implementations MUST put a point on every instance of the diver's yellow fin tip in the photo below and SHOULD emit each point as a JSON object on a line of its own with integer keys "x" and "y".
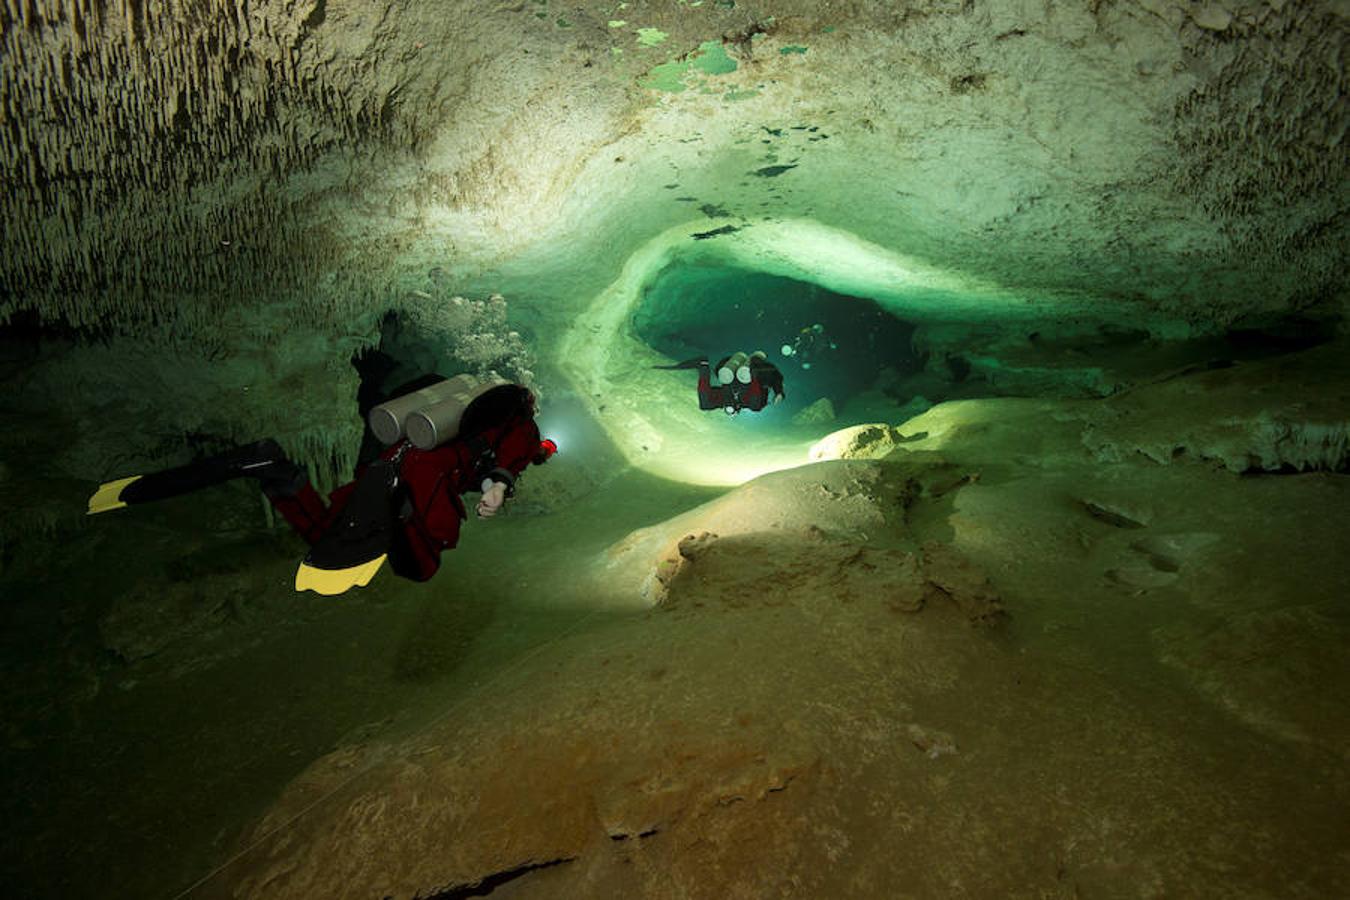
{"x": 331, "y": 582}
{"x": 109, "y": 496}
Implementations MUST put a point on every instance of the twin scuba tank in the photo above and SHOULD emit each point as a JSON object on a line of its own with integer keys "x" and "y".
{"x": 738, "y": 370}
{"x": 740, "y": 367}
{"x": 429, "y": 417}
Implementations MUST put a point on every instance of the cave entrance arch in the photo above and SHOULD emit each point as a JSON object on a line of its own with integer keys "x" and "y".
{"x": 829, "y": 345}
{"x": 613, "y": 348}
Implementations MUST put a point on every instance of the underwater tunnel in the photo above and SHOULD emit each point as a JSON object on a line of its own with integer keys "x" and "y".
{"x": 1031, "y": 584}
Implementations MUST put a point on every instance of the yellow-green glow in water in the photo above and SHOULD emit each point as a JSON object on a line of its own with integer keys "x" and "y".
{"x": 654, "y": 418}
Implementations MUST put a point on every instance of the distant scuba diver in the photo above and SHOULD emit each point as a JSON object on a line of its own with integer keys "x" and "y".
{"x": 445, "y": 437}
{"x": 745, "y": 382}
{"x": 809, "y": 343}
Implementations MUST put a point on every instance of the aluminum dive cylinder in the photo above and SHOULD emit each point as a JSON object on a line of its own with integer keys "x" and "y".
{"x": 729, "y": 368}
{"x": 746, "y": 370}
{"x": 388, "y": 421}
{"x": 433, "y": 425}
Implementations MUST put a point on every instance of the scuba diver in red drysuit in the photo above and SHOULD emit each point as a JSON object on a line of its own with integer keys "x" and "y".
{"x": 405, "y": 505}
{"x": 746, "y": 382}
{"x": 499, "y": 438}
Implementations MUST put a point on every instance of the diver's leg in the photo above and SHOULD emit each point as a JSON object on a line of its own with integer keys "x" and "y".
{"x": 286, "y": 486}
{"x": 263, "y": 460}
{"x": 687, "y": 364}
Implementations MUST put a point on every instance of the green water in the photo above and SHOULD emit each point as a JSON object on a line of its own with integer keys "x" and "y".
{"x": 693, "y": 310}
{"x": 151, "y": 770}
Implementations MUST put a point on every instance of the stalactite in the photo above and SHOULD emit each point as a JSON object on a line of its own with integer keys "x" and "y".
{"x": 148, "y": 117}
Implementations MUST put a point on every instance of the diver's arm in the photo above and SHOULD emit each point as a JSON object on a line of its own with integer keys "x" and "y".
{"x": 494, "y": 497}
{"x": 772, "y": 379}
{"x": 756, "y": 395}
{"x": 516, "y": 449}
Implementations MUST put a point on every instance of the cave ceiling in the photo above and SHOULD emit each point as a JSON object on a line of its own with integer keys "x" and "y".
{"x": 235, "y": 195}
{"x": 169, "y": 163}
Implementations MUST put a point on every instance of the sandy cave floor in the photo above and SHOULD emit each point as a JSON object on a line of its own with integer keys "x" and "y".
{"x": 993, "y": 668}
{"x": 175, "y": 752}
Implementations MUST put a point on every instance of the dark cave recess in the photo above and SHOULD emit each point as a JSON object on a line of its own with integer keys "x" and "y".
{"x": 844, "y": 346}
{"x": 838, "y": 344}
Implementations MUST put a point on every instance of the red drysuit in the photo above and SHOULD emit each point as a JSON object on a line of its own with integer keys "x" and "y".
{"x": 432, "y": 482}
{"x": 732, "y": 397}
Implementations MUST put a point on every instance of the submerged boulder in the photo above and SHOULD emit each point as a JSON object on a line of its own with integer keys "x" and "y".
{"x": 860, "y": 442}
{"x": 820, "y": 411}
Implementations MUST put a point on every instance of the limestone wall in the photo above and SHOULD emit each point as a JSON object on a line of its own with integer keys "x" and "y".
{"x": 213, "y": 172}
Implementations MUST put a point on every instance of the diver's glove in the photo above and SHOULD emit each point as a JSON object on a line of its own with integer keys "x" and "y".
{"x": 494, "y": 495}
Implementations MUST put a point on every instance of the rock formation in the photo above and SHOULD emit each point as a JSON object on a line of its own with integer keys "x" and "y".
{"x": 1050, "y": 603}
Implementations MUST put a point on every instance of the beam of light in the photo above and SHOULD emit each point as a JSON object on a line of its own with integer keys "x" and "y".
{"x": 560, "y": 429}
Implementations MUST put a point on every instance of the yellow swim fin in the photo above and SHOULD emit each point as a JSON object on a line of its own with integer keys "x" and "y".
{"x": 109, "y": 496}
{"x": 331, "y": 582}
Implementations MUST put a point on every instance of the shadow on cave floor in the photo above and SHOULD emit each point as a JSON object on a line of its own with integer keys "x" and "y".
{"x": 151, "y": 766}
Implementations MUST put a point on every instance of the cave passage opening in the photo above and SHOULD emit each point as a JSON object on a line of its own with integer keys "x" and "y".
{"x": 828, "y": 345}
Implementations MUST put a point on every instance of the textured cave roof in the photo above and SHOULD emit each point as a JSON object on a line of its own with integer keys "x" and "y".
{"x": 172, "y": 167}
